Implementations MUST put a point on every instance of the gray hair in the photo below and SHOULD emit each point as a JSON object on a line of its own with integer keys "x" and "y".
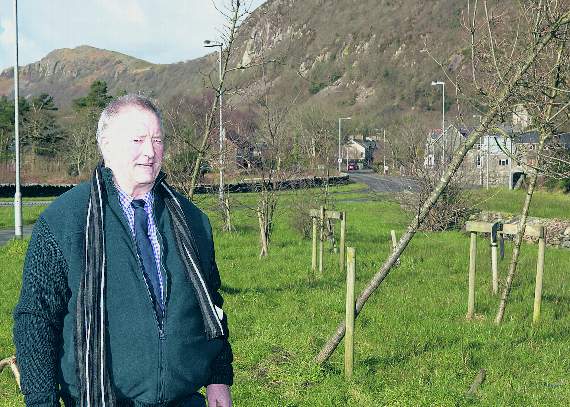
{"x": 128, "y": 100}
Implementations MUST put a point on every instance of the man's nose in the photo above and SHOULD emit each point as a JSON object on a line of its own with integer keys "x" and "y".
{"x": 148, "y": 148}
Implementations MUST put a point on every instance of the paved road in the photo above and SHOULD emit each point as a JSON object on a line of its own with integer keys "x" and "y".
{"x": 7, "y": 234}
{"x": 381, "y": 183}
{"x": 26, "y": 203}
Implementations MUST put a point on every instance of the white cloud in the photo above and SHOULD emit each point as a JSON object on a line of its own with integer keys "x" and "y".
{"x": 162, "y": 31}
{"x": 129, "y": 11}
{"x": 6, "y": 32}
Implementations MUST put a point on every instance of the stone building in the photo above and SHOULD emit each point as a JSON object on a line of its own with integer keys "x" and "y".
{"x": 490, "y": 161}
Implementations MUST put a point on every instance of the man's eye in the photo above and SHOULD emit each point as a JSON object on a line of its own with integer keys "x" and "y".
{"x": 137, "y": 140}
{"x": 157, "y": 140}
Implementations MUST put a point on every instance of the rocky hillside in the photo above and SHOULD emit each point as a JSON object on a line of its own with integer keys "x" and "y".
{"x": 349, "y": 56}
{"x": 67, "y": 73}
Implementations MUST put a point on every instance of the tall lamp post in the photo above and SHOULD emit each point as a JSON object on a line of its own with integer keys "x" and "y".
{"x": 437, "y": 83}
{"x": 219, "y": 45}
{"x": 340, "y": 119}
{"x": 18, "y": 194}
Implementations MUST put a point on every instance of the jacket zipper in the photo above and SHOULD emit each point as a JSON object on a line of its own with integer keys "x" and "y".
{"x": 165, "y": 295}
{"x": 160, "y": 384}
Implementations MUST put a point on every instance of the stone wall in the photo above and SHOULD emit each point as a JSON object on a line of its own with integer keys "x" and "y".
{"x": 557, "y": 230}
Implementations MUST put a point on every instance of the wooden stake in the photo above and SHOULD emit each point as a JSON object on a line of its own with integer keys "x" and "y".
{"x": 342, "y": 241}
{"x": 479, "y": 379}
{"x": 350, "y": 311}
{"x": 11, "y": 361}
{"x": 494, "y": 257}
{"x": 472, "y": 265}
{"x": 539, "y": 274}
{"x": 495, "y": 268}
{"x": 321, "y": 239}
{"x": 394, "y": 244}
{"x": 314, "y": 256}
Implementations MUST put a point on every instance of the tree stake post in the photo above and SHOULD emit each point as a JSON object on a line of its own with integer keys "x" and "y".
{"x": 314, "y": 254}
{"x": 321, "y": 239}
{"x": 342, "y": 256}
{"x": 539, "y": 274}
{"x": 319, "y": 216}
{"x": 495, "y": 229}
{"x": 536, "y": 231}
{"x": 472, "y": 270}
{"x": 350, "y": 313}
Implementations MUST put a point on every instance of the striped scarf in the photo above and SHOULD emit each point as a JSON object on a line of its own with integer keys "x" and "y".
{"x": 90, "y": 334}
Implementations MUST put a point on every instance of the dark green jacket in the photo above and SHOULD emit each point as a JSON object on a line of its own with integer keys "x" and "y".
{"x": 146, "y": 364}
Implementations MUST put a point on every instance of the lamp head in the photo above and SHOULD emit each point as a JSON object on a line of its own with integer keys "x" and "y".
{"x": 210, "y": 44}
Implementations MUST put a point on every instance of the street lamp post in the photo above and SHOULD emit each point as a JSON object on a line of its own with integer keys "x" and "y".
{"x": 18, "y": 194}
{"x": 437, "y": 83}
{"x": 340, "y": 119}
{"x": 384, "y": 169}
{"x": 219, "y": 45}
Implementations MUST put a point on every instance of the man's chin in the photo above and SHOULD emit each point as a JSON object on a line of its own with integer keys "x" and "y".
{"x": 145, "y": 179}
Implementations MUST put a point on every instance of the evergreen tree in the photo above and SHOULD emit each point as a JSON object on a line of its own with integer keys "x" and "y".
{"x": 42, "y": 134}
{"x": 81, "y": 143}
{"x": 7, "y": 124}
{"x": 97, "y": 97}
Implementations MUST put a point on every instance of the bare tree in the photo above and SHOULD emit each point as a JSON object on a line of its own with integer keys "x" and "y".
{"x": 275, "y": 142}
{"x": 183, "y": 117}
{"x": 234, "y": 13}
{"x": 546, "y": 109}
{"x": 505, "y": 90}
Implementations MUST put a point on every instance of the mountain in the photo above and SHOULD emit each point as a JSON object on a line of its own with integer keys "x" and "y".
{"x": 352, "y": 57}
{"x": 67, "y": 73}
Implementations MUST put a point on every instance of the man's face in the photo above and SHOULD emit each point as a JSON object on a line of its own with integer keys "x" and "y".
{"x": 133, "y": 148}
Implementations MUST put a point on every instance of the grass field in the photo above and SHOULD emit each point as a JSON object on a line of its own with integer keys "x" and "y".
{"x": 413, "y": 344}
{"x": 543, "y": 205}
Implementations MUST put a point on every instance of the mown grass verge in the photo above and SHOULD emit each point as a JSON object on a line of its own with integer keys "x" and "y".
{"x": 413, "y": 344}
{"x": 544, "y": 204}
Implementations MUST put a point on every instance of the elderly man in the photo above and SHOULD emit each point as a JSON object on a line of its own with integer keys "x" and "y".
{"x": 119, "y": 303}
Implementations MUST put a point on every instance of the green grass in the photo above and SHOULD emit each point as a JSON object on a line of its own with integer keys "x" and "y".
{"x": 29, "y": 215}
{"x": 413, "y": 344}
{"x": 543, "y": 205}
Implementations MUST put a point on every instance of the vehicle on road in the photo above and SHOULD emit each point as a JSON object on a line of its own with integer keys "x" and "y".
{"x": 352, "y": 166}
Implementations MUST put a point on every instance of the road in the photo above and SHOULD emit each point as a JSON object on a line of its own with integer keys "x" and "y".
{"x": 7, "y": 234}
{"x": 376, "y": 183}
{"x": 381, "y": 183}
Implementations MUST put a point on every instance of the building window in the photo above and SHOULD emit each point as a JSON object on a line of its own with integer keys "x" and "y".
{"x": 478, "y": 161}
{"x": 503, "y": 161}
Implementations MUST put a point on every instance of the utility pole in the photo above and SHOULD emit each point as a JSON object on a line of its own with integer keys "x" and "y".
{"x": 488, "y": 137}
{"x": 384, "y": 169}
{"x": 223, "y": 206}
{"x": 511, "y": 186}
{"x": 18, "y": 194}
{"x": 479, "y": 153}
{"x": 437, "y": 83}
{"x": 340, "y": 119}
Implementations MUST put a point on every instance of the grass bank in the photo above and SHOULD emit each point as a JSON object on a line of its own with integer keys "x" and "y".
{"x": 544, "y": 204}
{"x": 413, "y": 345}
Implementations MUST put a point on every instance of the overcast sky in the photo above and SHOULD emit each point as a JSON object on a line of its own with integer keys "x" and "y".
{"x": 159, "y": 31}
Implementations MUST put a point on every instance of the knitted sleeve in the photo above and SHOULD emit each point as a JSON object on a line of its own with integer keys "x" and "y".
{"x": 221, "y": 370}
{"x": 38, "y": 317}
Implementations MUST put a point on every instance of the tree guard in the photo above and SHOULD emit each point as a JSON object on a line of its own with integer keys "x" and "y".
{"x": 497, "y": 230}
{"x": 319, "y": 216}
